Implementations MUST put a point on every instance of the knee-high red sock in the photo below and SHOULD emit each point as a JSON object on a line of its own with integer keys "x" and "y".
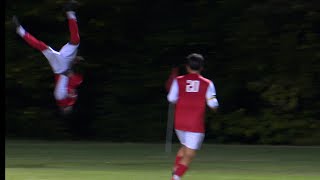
{"x": 181, "y": 170}
{"x": 73, "y": 28}
{"x": 33, "y": 42}
{"x": 177, "y": 161}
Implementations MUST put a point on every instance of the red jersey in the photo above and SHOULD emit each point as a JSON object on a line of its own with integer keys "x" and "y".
{"x": 74, "y": 81}
{"x": 193, "y": 90}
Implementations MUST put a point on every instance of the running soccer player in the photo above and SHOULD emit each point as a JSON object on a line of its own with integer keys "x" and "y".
{"x": 61, "y": 62}
{"x": 190, "y": 93}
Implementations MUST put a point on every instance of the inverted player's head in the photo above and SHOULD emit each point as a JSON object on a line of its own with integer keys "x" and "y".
{"x": 195, "y": 62}
{"x": 77, "y": 64}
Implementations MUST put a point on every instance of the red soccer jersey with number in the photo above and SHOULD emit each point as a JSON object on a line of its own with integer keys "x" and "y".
{"x": 191, "y": 105}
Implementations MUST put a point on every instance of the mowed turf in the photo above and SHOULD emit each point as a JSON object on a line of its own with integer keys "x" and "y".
{"x": 45, "y": 160}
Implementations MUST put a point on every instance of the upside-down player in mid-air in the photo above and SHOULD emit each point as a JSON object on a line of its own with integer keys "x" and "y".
{"x": 61, "y": 62}
{"x": 190, "y": 93}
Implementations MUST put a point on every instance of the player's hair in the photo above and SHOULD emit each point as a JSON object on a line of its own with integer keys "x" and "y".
{"x": 195, "y": 61}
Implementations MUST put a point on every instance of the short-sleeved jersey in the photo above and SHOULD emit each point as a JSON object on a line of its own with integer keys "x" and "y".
{"x": 191, "y": 93}
{"x": 74, "y": 81}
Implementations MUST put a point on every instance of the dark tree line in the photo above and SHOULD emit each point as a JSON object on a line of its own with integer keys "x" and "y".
{"x": 262, "y": 56}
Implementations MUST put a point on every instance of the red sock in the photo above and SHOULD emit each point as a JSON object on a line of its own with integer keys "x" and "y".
{"x": 181, "y": 169}
{"x": 35, "y": 43}
{"x": 74, "y": 32}
{"x": 178, "y": 158}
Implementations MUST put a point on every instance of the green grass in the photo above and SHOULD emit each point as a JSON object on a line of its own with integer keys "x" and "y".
{"x": 41, "y": 160}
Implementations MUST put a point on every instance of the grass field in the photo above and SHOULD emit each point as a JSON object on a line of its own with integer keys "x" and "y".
{"x": 41, "y": 160}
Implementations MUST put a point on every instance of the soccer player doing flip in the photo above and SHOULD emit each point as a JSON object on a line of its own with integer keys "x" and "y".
{"x": 61, "y": 62}
{"x": 191, "y": 93}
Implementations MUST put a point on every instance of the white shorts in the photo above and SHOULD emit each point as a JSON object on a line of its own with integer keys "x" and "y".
{"x": 191, "y": 140}
{"x": 60, "y": 61}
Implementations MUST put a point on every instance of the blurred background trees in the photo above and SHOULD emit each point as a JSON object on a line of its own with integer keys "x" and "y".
{"x": 263, "y": 58}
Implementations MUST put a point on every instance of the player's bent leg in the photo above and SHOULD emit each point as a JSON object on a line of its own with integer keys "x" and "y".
{"x": 181, "y": 136}
{"x": 183, "y": 165}
{"x": 31, "y": 40}
{"x": 35, "y": 43}
{"x": 192, "y": 142}
{"x": 180, "y": 171}
{"x": 188, "y": 156}
{"x": 51, "y": 55}
{"x": 179, "y": 156}
{"x": 69, "y": 50}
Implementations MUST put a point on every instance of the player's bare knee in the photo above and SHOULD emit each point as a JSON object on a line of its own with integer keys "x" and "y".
{"x": 189, "y": 153}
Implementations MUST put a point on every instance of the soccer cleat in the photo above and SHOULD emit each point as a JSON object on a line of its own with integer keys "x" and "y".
{"x": 15, "y": 21}
{"x": 71, "y": 5}
{"x": 175, "y": 177}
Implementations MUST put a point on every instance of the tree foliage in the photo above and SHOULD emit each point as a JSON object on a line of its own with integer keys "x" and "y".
{"x": 263, "y": 57}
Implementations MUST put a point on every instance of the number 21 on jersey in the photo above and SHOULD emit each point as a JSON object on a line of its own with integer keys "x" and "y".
{"x": 192, "y": 86}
